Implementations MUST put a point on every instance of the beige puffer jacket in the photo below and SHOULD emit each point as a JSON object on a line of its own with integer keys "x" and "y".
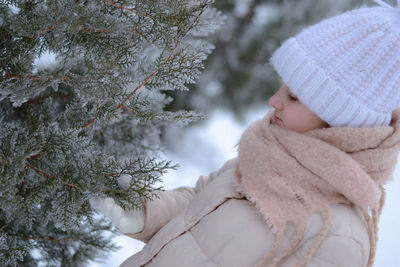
{"x": 214, "y": 225}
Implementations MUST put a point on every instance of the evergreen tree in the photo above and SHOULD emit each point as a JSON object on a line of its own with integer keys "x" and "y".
{"x": 238, "y": 73}
{"x": 69, "y": 131}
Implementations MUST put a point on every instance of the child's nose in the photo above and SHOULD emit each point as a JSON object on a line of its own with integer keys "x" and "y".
{"x": 275, "y": 102}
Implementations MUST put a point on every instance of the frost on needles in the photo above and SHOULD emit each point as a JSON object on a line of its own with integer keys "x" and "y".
{"x": 70, "y": 128}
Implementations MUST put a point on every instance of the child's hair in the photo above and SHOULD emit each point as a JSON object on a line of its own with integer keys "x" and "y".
{"x": 346, "y": 69}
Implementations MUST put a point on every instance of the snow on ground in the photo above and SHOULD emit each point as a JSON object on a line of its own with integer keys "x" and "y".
{"x": 203, "y": 148}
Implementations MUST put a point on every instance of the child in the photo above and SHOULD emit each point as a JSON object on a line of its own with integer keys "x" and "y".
{"x": 307, "y": 186}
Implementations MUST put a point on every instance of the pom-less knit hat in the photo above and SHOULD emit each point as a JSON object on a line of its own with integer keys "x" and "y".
{"x": 346, "y": 69}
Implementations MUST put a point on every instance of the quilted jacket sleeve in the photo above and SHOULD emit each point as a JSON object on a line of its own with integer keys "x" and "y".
{"x": 168, "y": 204}
{"x": 335, "y": 251}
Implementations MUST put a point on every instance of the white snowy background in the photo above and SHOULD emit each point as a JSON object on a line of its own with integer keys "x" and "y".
{"x": 204, "y": 147}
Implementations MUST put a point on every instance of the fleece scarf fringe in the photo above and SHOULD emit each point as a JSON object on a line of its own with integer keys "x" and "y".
{"x": 290, "y": 176}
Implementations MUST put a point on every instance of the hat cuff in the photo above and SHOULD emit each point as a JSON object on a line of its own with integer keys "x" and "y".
{"x": 319, "y": 92}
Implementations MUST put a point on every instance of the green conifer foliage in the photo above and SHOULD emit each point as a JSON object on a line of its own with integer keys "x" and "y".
{"x": 68, "y": 131}
{"x": 238, "y": 74}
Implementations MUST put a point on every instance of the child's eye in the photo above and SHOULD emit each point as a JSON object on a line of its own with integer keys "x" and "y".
{"x": 291, "y": 97}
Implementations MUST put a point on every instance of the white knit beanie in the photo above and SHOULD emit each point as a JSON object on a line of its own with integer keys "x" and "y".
{"x": 346, "y": 69}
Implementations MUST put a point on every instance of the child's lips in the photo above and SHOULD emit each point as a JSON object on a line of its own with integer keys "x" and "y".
{"x": 277, "y": 119}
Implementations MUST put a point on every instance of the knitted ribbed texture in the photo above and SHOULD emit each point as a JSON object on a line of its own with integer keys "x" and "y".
{"x": 346, "y": 69}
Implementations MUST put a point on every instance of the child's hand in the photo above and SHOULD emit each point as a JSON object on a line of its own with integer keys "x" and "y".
{"x": 126, "y": 221}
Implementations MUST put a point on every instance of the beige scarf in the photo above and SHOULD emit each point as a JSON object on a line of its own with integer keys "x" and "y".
{"x": 289, "y": 176}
